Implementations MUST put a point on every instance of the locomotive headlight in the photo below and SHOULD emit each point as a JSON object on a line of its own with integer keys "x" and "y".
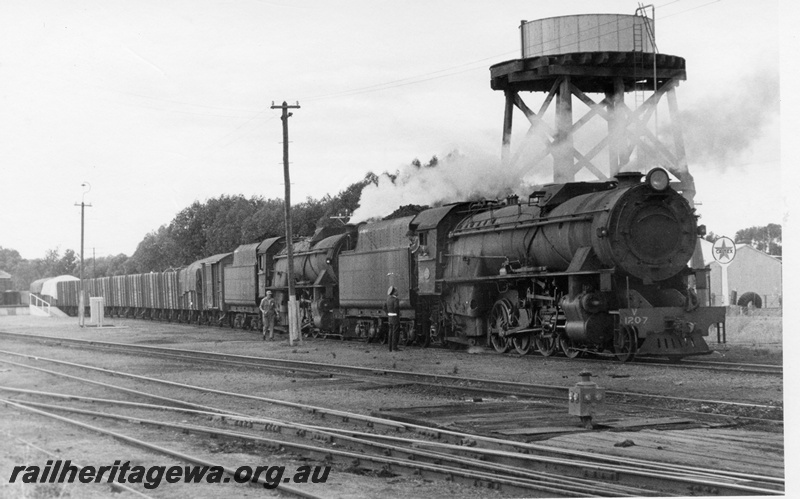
{"x": 658, "y": 179}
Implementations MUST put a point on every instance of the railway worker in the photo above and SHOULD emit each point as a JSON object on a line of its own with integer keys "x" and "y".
{"x": 393, "y": 313}
{"x": 268, "y": 312}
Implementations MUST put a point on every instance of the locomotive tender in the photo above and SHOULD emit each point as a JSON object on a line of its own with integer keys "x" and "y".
{"x": 579, "y": 267}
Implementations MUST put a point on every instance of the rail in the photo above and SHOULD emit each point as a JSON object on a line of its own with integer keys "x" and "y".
{"x": 36, "y": 302}
{"x": 624, "y": 472}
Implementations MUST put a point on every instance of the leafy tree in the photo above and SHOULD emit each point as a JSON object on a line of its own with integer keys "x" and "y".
{"x": 305, "y": 216}
{"x": 155, "y": 252}
{"x": 430, "y": 164}
{"x": 767, "y": 238}
{"x": 23, "y": 274}
{"x": 9, "y": 259}
{"x": 47, "y": 266}
{"x": 224, "y": 231}
{"x": 266, "y": 221}
{"x": 69, "y": 264}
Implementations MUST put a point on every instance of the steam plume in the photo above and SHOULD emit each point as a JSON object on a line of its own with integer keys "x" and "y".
{"x": 721, "y": 128}
{"x": 454, "y": 178}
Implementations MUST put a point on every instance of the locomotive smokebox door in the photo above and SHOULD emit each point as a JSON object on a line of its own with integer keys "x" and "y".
{"x": 586, "y": 399}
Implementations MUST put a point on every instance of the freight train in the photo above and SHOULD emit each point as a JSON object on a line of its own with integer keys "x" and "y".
{"x": 576, "y": 268}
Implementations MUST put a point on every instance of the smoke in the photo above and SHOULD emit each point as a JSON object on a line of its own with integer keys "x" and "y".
{"x": 456, "y": 177}
{"x": 721, "y": 128}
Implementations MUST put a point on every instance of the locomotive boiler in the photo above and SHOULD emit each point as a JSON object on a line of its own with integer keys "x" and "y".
{"x": 581, "y": 266}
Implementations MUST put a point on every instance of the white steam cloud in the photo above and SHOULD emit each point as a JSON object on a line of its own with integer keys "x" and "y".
{"x": 723, "y": 127}
{"x": 455, "y": 178}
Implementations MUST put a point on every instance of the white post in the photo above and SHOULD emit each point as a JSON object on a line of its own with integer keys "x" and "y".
{"x": 725, "y": 291}
{"x": 294, "y": 326}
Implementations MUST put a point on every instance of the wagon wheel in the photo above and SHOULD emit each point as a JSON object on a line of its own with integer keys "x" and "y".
{"x": 433, "y": 334}
{"x": 383, "y": 334}
{"x": 523, "y": 343}
{"x": 424, "y": 338}
{"x": 625, "y": 339}
{"x": 501, "y": 322}
{"x": 402, "y": 336}
{"x": 567, "y": 346}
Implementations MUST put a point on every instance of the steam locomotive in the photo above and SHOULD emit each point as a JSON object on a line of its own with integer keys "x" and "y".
{"x": 577, "y": 268}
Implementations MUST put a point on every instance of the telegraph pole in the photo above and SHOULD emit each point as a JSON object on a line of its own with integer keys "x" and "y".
{"x": 294, "y": 330}
{"x": 81, "y": 303}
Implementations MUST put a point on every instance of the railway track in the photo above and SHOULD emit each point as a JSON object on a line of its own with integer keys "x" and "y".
{"x": 516, "y": 467}
{"x": 588, "y": 357}
{"x": 710, "y": 365}
{"x": 721, "y": 408}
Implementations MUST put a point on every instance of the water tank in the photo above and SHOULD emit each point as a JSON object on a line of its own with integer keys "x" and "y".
{"x": 586, "y": 33}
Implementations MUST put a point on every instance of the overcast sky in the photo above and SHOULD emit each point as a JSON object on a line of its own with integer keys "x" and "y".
{"x": 160, "y": 103}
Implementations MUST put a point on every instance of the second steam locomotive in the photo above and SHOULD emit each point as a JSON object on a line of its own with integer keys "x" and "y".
{"x": 580, "y": 267}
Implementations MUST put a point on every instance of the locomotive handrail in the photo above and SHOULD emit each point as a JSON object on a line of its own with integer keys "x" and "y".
{"x": 379, "y": 250}
{"x": 476, "y": 256}
{"x": 587, "y": 215}
{"x": 302, "y": 253}
{"x": 519, "y": 275}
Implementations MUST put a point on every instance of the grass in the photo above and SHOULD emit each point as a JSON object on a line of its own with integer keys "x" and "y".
{"x": 755, "y": 334}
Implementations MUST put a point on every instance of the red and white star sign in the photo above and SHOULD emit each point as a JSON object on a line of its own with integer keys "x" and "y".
{"x": 724, "y": 250}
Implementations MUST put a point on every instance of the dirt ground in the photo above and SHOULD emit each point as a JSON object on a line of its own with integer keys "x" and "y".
{"x": 22, "y": 432}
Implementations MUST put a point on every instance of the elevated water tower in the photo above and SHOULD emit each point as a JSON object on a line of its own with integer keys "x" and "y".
{"x": 611, "y": 57}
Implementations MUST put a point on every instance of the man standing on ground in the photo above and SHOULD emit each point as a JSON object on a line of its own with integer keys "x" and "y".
{"x": 268, "y": 313}
{"x": 393, "y": 311}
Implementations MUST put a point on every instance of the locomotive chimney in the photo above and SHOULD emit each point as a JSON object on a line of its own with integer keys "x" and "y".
{"x": 628, "y": 178}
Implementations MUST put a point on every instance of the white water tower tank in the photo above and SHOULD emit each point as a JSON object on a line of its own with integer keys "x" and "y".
{"x": 586, "y": 33}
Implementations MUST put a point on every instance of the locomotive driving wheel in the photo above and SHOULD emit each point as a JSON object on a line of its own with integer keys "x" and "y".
{"x": 625, "y": 339}
{"x": 523, "y": 343}
{"x": 306, "y": 325}
{"x": 546, "y": 345}
{"x": 547, "y": 342}
{"x": 502, "y": 318}
{"x": 568, "y": 347}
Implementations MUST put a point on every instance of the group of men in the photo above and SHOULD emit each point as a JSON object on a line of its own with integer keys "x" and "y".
{"x": 269, "y": 311}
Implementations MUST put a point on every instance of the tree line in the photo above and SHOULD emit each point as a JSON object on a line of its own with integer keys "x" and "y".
{"x": 767, "y": 238}
{"x": 200, "y": 230}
